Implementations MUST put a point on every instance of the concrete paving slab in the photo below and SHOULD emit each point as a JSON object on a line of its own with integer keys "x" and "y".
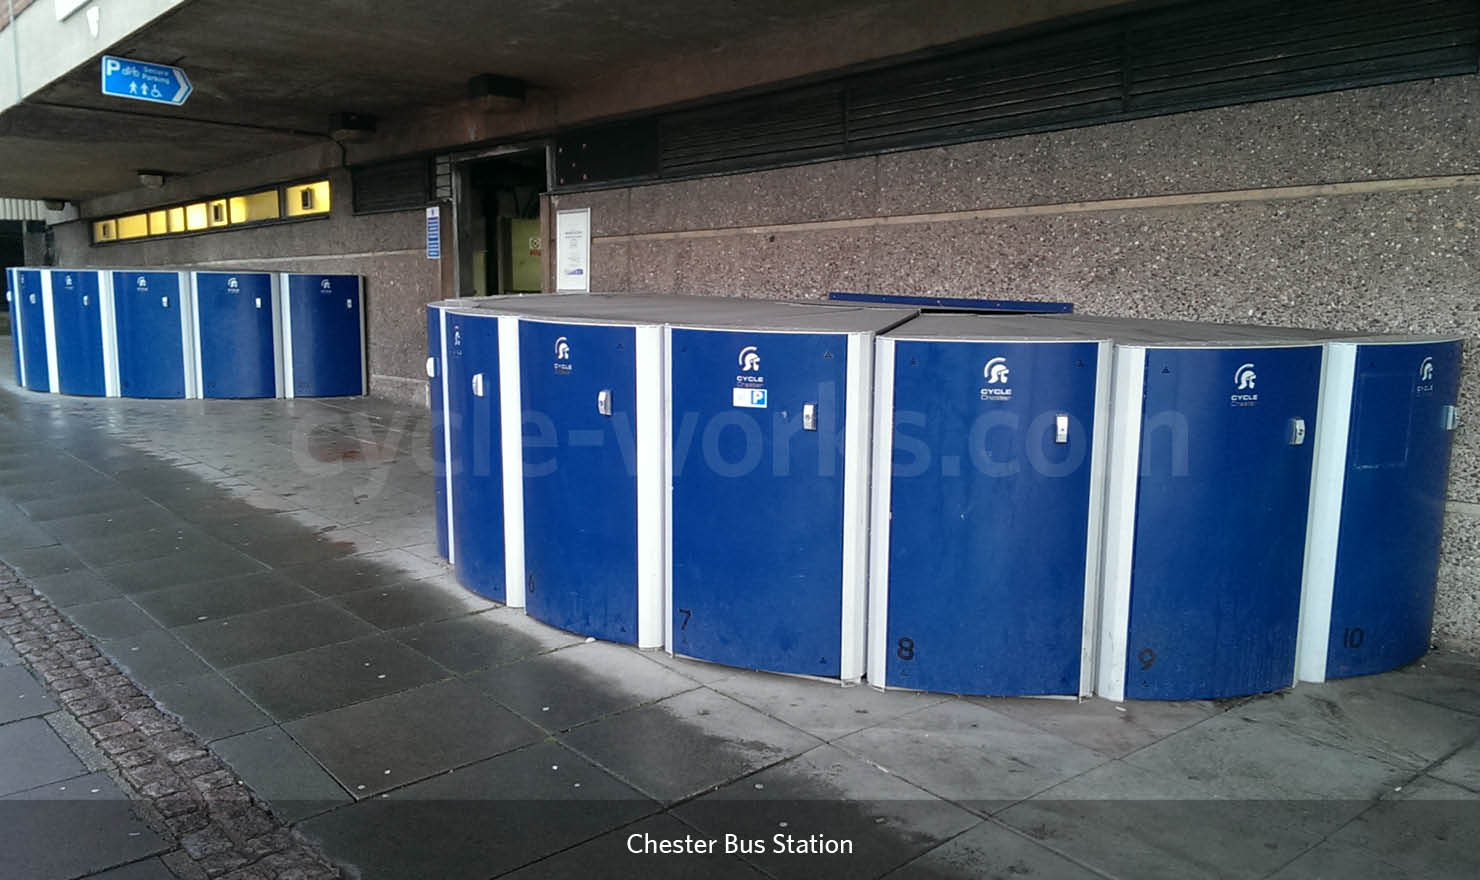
{"x": 992, "y": 850}
{"x": 155, "y": 658}
{"x": 104, "y": 525}
{"x": 581, "y": 683}
{"x": 1331, "y": 859}
{"x": 481, "y": 820}
{"x": 1442, "y": 679}
{"x": 248, "y": 638}
{"x": 490, "y": 638}
{"x": 611, "y": 856}
{"x": 971, "y": 755}
{"x": 317, "y": 547}
{"x": 21, "y": 695}
{"x": 75, "y": 588}
{"x": 687, "y": 744}
{"x": 381, "y": 744}
{"x": 188, "y": 566}
{"x": 22, "y": 535}
{"x": 348, "y": 574}
{"x": 31, "y": 754}
{"x": 1428, "y": 831}
{"x": 111, "y": 619}
{"x": 409, "y": 604}
{"x": 8, "y": 656}
{"x": 79, "y": 827}
{"x": 281, "y": 772}
{"x": 412, "y": 565}
{"x": 148, "y": 869}
{"x": 342, "y": 674}
{"x": 77, "y": 504}
{"x": 827, "y": 795}
{"x": 1113, "y": 729}
{"x": 217, "y": 599}
{"x": 1461, "y": 768}
{"x": 210, "y": 706}
{"x": 42, "y": 561}
{"x": 826, "y": 710}
{"x": 149, "y": 544}
{"x": 1235, "y": 757}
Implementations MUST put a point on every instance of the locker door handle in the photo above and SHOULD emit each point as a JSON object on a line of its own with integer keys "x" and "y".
{"x": 164, "y": 302}
{"x": 85, "y": 299}
{"x": 1297, "y": 432}
{"x": 259, "y": 302}
{"x": 431, "y": 368}
{"x": 604, "y": 402}
{"x": 1061, "y": 428}
{"x": 477, "y": 384}
{"x": 1451, "y": 417}
{"x": 809, "y": 417}
{"x": 349, "y": 303}
{"x": 33, "y": 299}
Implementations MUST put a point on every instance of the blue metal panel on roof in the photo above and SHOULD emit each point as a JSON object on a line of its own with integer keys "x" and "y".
{"x": 32, "y": 325}
{"x": 327, "y": 323}
{"x": 580, "y": 477}
{"x": 1220, "y": 521}
{"x": 757, "y": 500}
{"x": 1392, "y": 511}
{"x": 955, "y": 303}
{"x": 989, "y": 516}
{"x": 77, "y": 312}
{"x": 476, "y": 463}
{"x": 151, "y": 352}
{"x": 234, "y": 312}
{"x": 439, "y": 446}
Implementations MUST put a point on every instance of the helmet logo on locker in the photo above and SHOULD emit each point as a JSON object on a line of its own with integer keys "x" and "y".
{"x": 67, "y": 280}
{"x": 562, "y": 349}
{"x": 1425, "y": 377}
{"x": 143, "y": 283}
{"x": 324, "y": 284}
{"x": 232, "y": 283}
{"x": 750, "y": 359}
{"x": 1243, "y": 381}
{"x": 996, "y": 372}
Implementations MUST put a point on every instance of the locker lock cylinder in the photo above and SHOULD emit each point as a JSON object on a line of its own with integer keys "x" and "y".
{"x": 478, "y": 385}
{"x": 604, "y": 401}
{"x": 1451, "y": 417}
{"x": 431, "y": 368}
{"x": 1061, "y": 428}
{"x": 809, "y": 417}
{"x": 1296, "y": 432}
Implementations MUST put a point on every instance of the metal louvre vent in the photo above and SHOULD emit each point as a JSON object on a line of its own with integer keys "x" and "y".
{"x": 1192, "y": 56}
{"x": 392, "y": 186}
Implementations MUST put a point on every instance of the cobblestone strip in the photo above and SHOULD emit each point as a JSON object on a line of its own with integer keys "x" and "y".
{"x": 223, "y": 829}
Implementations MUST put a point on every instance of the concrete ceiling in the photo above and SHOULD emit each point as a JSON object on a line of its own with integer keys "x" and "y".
{"x": 267, "y": 73}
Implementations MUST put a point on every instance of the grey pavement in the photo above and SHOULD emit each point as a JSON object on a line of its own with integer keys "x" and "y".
{"x": 267, "y": 571}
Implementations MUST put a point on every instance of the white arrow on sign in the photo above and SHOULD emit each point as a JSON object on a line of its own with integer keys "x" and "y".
{"x": 185, "y": 87}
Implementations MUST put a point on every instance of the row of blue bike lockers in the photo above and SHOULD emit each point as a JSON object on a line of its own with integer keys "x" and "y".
{"x": 183, "y": 334}
{"x": 958, "y": 503}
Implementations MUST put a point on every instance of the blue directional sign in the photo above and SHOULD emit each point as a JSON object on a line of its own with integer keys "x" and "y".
{"x": 142, "y": 81}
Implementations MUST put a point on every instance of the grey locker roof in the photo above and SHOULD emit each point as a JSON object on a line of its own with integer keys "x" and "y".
{"x": 997, "y": 328}
{"x": 1183, "y": 334}
{"x": 716, "y": 312}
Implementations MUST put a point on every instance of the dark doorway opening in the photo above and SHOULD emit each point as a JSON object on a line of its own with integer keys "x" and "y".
{"x": 506, "y": 226}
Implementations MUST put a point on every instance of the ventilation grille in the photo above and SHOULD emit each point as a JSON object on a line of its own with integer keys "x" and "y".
{"x": 392, "y": 186}
{"x": 1193, "y": 56}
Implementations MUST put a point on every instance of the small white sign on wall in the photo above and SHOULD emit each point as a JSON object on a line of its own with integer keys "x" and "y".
{"x": 573, "y": 250}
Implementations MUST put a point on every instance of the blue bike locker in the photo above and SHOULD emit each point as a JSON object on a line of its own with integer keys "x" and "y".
{"x": 12, "y": 304}
{"x": 474, "y": 443}
{"x": 324, "y": 336}
{"x": 770, "y": 409}
{"x": 1208, "y": 495}
{"x": 1377, "y": 516}
{"x": 156, "y": 354}
{"x": 437, "y": 403}
{"x": 990, "y": 446}
{"x": 236, "y": 334}
{"x": 28, "y": 316}
{"x": 82, "y": 332}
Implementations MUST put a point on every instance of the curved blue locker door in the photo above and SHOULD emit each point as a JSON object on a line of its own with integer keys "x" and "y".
{"x": 580, "y": 477}
{"x": 757, "y": 499}
{"x": 31, "y": 329}
{"x": 1220, "y": 521}
{"x": 77, "y": 314}
{"x": 977, "y": 471}
{"x": 435, "y": 366}
{"x": 151, "y": 351}
{"x": 12, "y": 302}
{"x": 476, "y": 463}
{"x": 1392, "y": 509}
{"x": 326, "y": 320}
{"x": 234, "y": 319}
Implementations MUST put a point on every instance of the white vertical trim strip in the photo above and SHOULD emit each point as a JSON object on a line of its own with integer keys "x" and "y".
{"x": 882, "y": 511}
{"x": 447, "y": 444}
{"x": 364, "y": 319}
{"x": 49, "y": 321}
{"x": 651, "y": 499}
{"x": 108, "y": 315}
{"x": 1323, "y": 527}
{"x": 284, "y": 279}
{"x": 200, "y": 363}
{"x": 19, "y": 330}
{"x": 857, "y": 429}
{"x": 1095, "y": 539}
{"x": 189, "y": 337}
{"x": 511, "y": 443}
{"x": 668, "y": 488}
{"x": 1124, "y": 473}
{"x": 275, "y": 293}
